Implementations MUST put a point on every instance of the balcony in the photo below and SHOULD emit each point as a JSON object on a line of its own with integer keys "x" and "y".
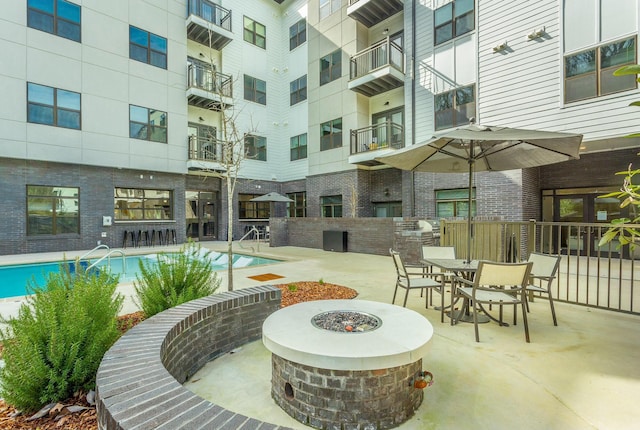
{"x": 371, "y": 12}
{"x": 205, "y": 154}
{"x": 378, "y": 69}
{"x": 374, "y": 141}
{"x": 209, "y": 24}
{"x": 208, "y": 89}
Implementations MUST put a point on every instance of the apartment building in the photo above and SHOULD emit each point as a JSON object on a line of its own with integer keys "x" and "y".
{"x": 113, "y": 114}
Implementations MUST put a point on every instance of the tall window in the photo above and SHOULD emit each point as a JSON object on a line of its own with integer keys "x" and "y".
{"x": 387, "y": 209}
{"x": 589, "y": 73}
{"x": 455, "y": 107}
{"x": 57, "y": 17}
{"x": 252, "y": 210}
{"x": 297, "y": 34}
{"x": 298, "y": 90}
{"x": 453, "y": 19}
{"x": 298, "y": 146}
{"x": 52, "y": 210}
{"x": 255, "y": 33}
{"x": 331, "y": 134}
{"x": 455, "y": 203}
{"x": 53, "y": 106}
{"x": 327, "y": 7}
{"x": 142, "y": 204}
{"x": 331, "y": 67}
{"x": 331, "y": 206}
{"x": 298, "y": 207}
{"x": 147, "y": 47}
{"x": 147, "y": 124}
{"x": 256, "y": 147}
{"x": 255, "y": 90}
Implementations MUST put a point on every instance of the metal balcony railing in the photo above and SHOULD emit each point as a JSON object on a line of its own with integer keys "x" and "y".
{"x": 379, "y": 136}
{"x": 211, "y": 12}
{"x": 206, "y": 149}
{"x": 382, "y": 54}
{"x": 203, "y": 77}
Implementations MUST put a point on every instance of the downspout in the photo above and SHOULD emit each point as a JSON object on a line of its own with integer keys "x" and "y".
{"x": 413, "y": 102}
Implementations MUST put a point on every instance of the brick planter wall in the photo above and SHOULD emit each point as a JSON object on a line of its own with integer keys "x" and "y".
{"x": 346, "y": 399}
{"x": 139, "y": 381}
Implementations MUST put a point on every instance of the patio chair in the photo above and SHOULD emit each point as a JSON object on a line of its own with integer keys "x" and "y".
{"x": 496, "y": 284}
{"x": 421, "y": 282}
{"x": 448, "y": 252}
{"x": 544, "y": 272}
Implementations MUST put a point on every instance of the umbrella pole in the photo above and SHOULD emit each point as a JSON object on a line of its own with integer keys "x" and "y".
{"x": 469, "y": 232}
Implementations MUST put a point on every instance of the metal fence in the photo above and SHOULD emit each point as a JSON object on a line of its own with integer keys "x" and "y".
{"x": 604, "y": 277}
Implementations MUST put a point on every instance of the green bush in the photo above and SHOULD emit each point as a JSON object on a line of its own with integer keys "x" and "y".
{"x": 174, "y": 279}
{"x": 54, "y": 346}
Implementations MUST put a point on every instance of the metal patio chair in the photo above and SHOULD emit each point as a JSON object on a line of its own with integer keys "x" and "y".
{"x": 543, "y": 272}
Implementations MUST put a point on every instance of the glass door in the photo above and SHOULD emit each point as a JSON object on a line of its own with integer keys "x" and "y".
{"x": 200, "y": 215}
{"x": 388, "y": 128}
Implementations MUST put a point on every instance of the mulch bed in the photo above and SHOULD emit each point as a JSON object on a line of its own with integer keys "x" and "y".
{"x": 62, "y": 417}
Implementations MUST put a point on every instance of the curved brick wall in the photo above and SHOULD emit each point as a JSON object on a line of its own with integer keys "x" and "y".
{"x": 139, "y": 381}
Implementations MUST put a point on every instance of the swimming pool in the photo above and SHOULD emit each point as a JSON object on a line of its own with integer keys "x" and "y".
{"x": 15, "y": 277}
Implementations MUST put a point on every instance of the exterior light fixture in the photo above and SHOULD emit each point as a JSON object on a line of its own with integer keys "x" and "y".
{"x": 535, "y": 34}
{"x": 501, "y": 47}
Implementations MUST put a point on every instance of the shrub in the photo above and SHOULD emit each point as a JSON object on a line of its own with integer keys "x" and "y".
{"x": 174, "y": 279}
{"x": 54, "y": 346}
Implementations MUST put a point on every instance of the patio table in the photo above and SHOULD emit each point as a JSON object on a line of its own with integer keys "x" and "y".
{"x": 462, "y": 268}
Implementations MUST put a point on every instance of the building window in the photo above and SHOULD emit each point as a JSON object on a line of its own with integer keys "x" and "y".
{"x": 455, "y": 107}
{"x": 58, "y": 17}
{"x": 331, "y": 134}
{"x": 327, "y": 7}
{"x": 589, "y": 74}
{"x": 140, "y": 204}
{"x": 331, "y": 206}
{"x": 52, "y": 210}
{"x": 53, "y": 106}
{"x": 147, "y": 124}
{"x": 298, "y": 207}
{"x": 298, "y": 146}
{"x": 297, "y": 34}
{"x": 252, "y": 210}
{"x": 455, "y": 203}
{"x": 298, "y": 90}
{"x": 452, "y": 20}
{"x": 256, "y": 147}
{"x": 331, "y": 67}
{"x": 387, "y": 209}
{"x": 147, "y": 47}
{"x": 255, "y": 90}
{"x": 255, "y": 33}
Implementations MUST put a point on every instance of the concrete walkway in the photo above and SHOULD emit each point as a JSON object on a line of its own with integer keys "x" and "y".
{"x": 583, "y": 374}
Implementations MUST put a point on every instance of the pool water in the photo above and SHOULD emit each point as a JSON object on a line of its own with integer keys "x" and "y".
{"x": 15, "y": 277}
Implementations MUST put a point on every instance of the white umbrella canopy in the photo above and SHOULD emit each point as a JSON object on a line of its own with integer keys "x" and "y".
{"x": 483, "y": 148}
{"x": 271, "y": 197}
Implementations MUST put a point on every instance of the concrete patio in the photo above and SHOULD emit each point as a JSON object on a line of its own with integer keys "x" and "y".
{"x": 583, "y": 374}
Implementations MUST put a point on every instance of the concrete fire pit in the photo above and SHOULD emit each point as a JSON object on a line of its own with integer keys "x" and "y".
{"x": 347, "y": 364}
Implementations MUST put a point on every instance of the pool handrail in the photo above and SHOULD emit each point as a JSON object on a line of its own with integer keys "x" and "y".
{"x": 252, "y": 230}
{"x": 85, "y": 255}
{"x": 108, "y": 257}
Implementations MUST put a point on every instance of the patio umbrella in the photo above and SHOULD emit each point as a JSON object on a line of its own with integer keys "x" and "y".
{"x": 272, "y": 198}
{"x": 482, "y": 148}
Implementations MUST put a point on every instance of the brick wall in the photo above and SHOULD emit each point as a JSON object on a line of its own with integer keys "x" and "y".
{"x": 139, "y": 381}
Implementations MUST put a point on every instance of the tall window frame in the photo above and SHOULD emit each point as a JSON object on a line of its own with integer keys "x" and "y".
{"x": 331, "y": 134}
{"x": 452, "y": 20}
{"x": 53, "y": 106}
{"x": 298, "y": 147}
{"x": 148, "y": 124}
{"x": 255, "y": 147}
{"x": 454, "y": 203}
{"x": 589, "y": 73}
{"x": 248, "y": 210}
{"x": 254, "y": 32}
{"x": 331, "y": 67}
{"x": 331, "y": 206}
{"x": 454, "y": 108}
{"x": 328, "y": 7}
{"x": 298, "y": 90}
{"x": 255, "y": 90}
{"x": 147, "y": 47}
{"x": 140, "y": 204}
{"x": 297, "y": 34}
{"x": 298, "y": 207}
{"x": 59, "y": 17}
{"x": 52, "y": 210}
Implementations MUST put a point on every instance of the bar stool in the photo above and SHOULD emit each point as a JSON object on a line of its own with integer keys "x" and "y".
{"x": 128, "y": 236}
